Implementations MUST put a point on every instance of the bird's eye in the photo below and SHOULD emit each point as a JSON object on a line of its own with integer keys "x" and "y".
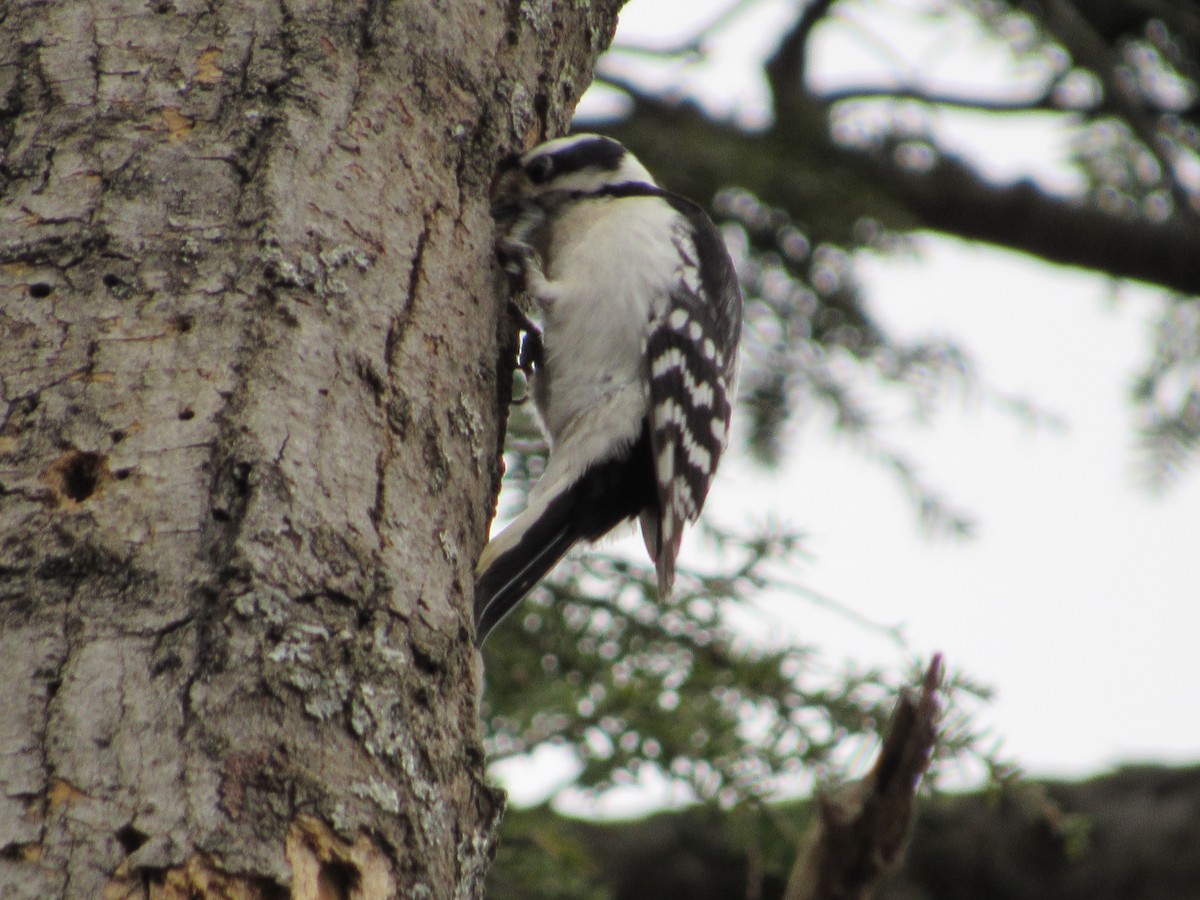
{"x": 539, "y": 170}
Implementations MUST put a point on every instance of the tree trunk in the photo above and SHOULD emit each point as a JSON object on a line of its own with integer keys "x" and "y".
{"x": 250, "y": 372}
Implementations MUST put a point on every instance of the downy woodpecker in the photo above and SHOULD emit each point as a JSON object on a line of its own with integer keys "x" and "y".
{"x": 641, "y": 317}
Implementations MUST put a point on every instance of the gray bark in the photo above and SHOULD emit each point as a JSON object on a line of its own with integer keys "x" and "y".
{"x": 250, "y": 362}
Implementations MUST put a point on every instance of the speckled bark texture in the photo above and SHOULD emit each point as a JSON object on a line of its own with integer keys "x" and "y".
{"x": 250, "y": 369}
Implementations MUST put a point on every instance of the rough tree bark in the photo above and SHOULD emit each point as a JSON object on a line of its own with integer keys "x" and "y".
{"x": 250, "y": 352}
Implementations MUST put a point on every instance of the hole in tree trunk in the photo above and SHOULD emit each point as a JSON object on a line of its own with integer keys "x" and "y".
{"x": 130, "y": 839}
{"x": 76, "y": 475}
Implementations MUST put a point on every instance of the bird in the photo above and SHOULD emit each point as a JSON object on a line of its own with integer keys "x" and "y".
{"x": 635, "y": 367}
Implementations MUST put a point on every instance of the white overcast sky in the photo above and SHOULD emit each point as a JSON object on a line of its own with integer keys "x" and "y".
{"x": 1077, "y": 599}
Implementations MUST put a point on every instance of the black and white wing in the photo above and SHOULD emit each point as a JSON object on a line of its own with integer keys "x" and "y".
{"x": 691, "y": 355}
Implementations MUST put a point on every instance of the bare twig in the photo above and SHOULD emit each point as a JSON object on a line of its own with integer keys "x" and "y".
{"x": 863, "y": 828}
{"x": 1043, "y": 102}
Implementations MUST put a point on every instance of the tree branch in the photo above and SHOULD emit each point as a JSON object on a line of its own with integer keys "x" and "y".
{"x": 1043, "y": 102}
{"x": 834, "y": 186}
{"x": 952, "y": 197}
{"x": 785, "y": 69}
{"x": 863, "y": 828}
{"x": 1040, "y": 103}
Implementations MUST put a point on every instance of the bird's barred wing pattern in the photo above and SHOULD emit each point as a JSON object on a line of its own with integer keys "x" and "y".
{"x": 691, "y": 354}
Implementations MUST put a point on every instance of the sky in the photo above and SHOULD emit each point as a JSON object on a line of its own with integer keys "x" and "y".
{"x": 1076, "y": 599}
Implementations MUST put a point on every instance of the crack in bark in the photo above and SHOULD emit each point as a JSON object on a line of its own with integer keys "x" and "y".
{"x": 392, "y": 340}
{"x": 377, "y": 508}
{"x": 415, "y": 269}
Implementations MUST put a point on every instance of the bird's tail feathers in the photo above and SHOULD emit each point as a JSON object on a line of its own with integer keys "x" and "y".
{"x": 519, "y": 556}
{"x": 662, "y": 556}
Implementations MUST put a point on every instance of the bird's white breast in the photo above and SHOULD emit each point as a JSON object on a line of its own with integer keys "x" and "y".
{"x": 611, "y": 263}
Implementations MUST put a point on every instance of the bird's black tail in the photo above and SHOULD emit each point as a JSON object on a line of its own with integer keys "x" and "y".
{"x": 519, "y": 557}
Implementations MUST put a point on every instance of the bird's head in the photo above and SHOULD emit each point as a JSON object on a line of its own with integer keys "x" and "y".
{"x": 577, "y": 164}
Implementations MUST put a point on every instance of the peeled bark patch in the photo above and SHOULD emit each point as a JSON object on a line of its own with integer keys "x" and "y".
{"x": 325, "y": 867}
